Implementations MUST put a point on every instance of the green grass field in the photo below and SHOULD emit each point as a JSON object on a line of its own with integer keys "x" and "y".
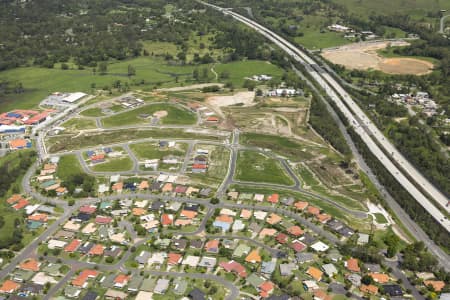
{"x": 278, "y": 144}
{"x": 410, "y": 7}
{"x": 314, "y": 39}
{"x": 77, "y": 124}
{"x": 152, "y": 151}
{"x": 175, "y": 116}
{"x": 114, "y": 165}
{"x": 68, "y": 165}
{"x": 40, "y": 82}
{"x": 239, "y": 70}
{"x": 70, "y": 142}
{"x": 92, "y": 112}
{"x": 380, "y": 218}
{"x": 256, "y": 167}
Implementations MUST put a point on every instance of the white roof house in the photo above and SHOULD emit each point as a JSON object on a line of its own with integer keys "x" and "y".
{"x": 320, "y": 246}
{"x": 56, "y": 244}
{"x": 191, "y": 261}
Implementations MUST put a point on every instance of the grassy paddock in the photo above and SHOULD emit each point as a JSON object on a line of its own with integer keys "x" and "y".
{"x": 149, "y": 69}
{"x": 175, "y": 116}
{"x": 114, "y": 165}
{"x": 256, "y": 167}
{"x": 72, "y": 142}
{"x": 68, "y": 165}
{"x": 241, "y": 69}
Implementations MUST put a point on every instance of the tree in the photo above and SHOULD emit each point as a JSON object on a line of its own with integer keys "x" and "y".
{"x": 64, "y": 66}
{"x": 195, "y": 74}
{"x": 131, "y": 71}
{"x": 103, "y": 68}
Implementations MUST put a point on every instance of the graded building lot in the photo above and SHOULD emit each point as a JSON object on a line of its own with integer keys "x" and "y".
{"x": 114, "y": 165}
{"x": 364, "y": 56}
{"x": 77, "y": 124}
{"x": 150, "y": 151}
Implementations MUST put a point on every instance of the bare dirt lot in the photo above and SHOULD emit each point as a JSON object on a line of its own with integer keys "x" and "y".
{"x": 364, "y": 56}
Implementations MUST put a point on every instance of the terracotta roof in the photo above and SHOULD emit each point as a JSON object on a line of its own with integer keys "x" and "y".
{"x": 266, "y": 288}
{"x": 144, "y": 185}
{"x": 352, "y": 265}
{"x": 20, "y": 204}
{"x": 212, "y": 119}
{"x": 97, "y": 157}
{"x": 137, "y": 211}
{"x": 38, "y": 217}
{"x": 19, "y": 143}
{"x": 97, "y": 250}
{"x": 246, "y": 214}
{"x": 267, "y": 232}
{"x": 189, "y": 214}
{"x": 80, "y": 280}
{"x": 297, "y": 246}
{"x": 212, "y": 245}
{"x": 295, "y": 231}
{"x": 225, "y": 219}
{"x": 323, "y": 218}
{"x": 379, "y": 277}
{"x": 235, "y": 267}
{"x": 437, "y": 285}
{"x": 370, "y": 289}
{"x": 14, "y": 198}
{"x": 274, "y": 198}
{"x": 313, "y": 210}
{"x": 273, "y": 219}
{"x": 103, "y": 219}
{"x": 118, "y": 186}
{"x": 173, "y": 258}
{"x": 88, "y": 209}
{"x": 166, "y": 219}
{"x": 30, "y": 265}
{"x": 281, "y": 238}
{"x": 9, "y": 286}
{"x": 301, "y": 205}
{"x": 253, "y": 257}
{"x": 314, "y": 273}
{"x": 199, "y": 166}
{"x": 121, "y": 278}
{"x": 168, "y": 187}
{"x": 321, "y": 295}
{"x": 72, "y": 246}
{"x": 183, "y": 222}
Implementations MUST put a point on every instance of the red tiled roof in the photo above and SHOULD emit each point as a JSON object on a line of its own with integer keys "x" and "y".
{"x": 352, "y": 265}
{"x": 281, "y": 238}
{"x": 199, "y": 166}
{"x": 235, "y": 267}
{"x": 14, "y": 198}
{"x": 173, "y": 258}
{"x": 30, "y": 265}
{"x": 72, "y": 246}
{"x": 301, "y": 205}
{"x": 297, "y": 246}
{"x": 97, "y": 250}
{"x": 166, "y": 219}
{"x": 103, "y": 220}
{"x": 81, "y": 279}
{"x": 274, "y": 198}
{"x": 21, "y": 204}
{"x": 295, "y": 231}
{"x": 9, "y": 287}
{"x": 88, "y": 209}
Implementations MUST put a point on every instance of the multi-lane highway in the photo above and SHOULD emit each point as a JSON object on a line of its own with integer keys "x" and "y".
{"x": 363, "y": 126}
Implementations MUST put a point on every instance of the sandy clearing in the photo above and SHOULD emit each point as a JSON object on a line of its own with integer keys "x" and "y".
{"x": 160, "y": 114}
{"x": 245, "y": 98}
{"x": 364, "y": 56}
